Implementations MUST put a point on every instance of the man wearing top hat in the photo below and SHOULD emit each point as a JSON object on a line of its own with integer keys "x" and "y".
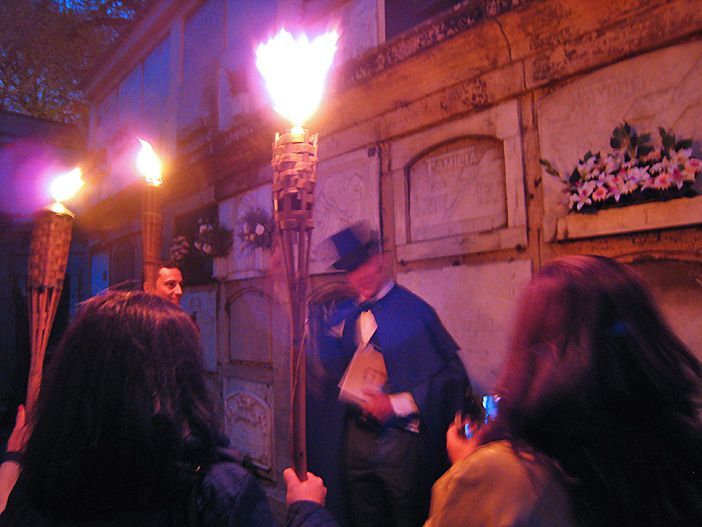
{"x": 395, "y": 437}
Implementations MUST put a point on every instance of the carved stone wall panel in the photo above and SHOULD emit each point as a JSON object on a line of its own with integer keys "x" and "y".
{"x": 347, "y": 191}
{"x": 201, "y": 304}
{"x": 459, "y": 188}
{"x": 248, "y": 420}
{"x": 661, "y": 88}
{"x": 257, "y": 327}
{"x": 476, "y": 304}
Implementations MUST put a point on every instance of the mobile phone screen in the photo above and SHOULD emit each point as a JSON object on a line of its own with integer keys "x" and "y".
{"x": 490, "y": 403}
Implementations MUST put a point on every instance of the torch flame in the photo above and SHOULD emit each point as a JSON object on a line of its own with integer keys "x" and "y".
{"x": 65, "y": 186}
{"x": 294, "y": 71}
{"x": 149, "y": 164}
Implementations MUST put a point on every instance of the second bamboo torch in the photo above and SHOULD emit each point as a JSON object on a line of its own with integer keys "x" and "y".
{"x": 149, "y": 165}
{"x": 48, "y": 256}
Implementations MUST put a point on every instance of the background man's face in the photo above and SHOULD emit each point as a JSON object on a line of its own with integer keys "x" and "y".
{"x": 169, "y": 284}
{"x": 367, "y": 278}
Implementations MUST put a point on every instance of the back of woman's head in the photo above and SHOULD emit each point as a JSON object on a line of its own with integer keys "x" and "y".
{"x": 598, "y": 381}
{"x": 122, "y": 402}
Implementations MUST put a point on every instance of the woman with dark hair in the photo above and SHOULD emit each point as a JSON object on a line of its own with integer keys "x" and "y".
{"x": 124, "y": 432}
{"x": 598, "y": 422}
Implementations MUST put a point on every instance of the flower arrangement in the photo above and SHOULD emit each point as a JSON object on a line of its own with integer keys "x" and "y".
{"x": 213, "y": 239}
{"x": 632, "y": 172}
{"x": 256, "y": 229}
{"x": 178, "y": 249}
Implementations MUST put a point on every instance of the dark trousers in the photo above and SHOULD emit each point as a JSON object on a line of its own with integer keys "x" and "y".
{"x": 383, "y": 476}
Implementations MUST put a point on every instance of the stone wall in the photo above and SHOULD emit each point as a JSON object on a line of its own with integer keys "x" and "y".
{"x": 461, "y": 128}
{"x": 435, "y": 138}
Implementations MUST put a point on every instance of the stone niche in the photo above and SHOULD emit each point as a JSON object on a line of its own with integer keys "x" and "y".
{"x": 248, "y": 420}
{"x": 257, "y": 328}
{"x": 347, "y": 191}
{"x": 459, "y": 187}
{"x": 660, "y": 88}
{"x": 476, "y": 304}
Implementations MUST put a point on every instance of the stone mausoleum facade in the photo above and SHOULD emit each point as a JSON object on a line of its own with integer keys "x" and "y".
{"x": 432, "y": 130}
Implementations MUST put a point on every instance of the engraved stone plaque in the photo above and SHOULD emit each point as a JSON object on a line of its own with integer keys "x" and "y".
{"x": 347, "y": 191}
{"x": 458, "y": 188}
{"x": 257, "y": 327}
{"x": 248, "y": 419}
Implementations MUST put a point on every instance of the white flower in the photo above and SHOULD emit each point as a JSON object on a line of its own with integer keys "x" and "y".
{"x": 260, "y": 229}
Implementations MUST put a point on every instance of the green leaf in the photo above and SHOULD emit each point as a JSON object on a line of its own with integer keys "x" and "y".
{"x": 683, "y": 143}
{"x": 643, "y": 139}
{"x": 615, "y": 142}
{"x": 644, "y": 150}
{"x": 668, "y": 140}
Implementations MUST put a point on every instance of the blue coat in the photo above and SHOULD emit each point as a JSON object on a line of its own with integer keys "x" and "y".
{"x": 421, "y": 358}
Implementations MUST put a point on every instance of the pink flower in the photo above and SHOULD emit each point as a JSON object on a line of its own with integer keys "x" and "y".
{"x": 582, "y": 194}
{"x": 615, "y": 184}
{"x": 679, "y": 157}
{"x": 653, "y": 155}
{"x": 579, "y": 200}
{"x": 692, "y": 167}
{"x": 662, "y": 182}
{"x": 600, "y": 193}
{"x": 677, "y": 178}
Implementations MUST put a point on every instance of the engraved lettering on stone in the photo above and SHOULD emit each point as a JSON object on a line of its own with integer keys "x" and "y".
{"x": 248, "y": 422}
{"x": 459, "y": 189}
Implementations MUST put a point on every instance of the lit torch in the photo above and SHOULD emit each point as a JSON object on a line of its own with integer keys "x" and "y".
{"x": 295, "y": 71}
{"x": 149, "y": 165}
{"x": 48, "y": 256}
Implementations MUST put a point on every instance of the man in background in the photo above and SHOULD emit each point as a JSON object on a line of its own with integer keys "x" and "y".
{"x": 169, "y": 283}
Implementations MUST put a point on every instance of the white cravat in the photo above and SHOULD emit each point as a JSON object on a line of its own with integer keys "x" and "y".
{"x": 402, "y": 403}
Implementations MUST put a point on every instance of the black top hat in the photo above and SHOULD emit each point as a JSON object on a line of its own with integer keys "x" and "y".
{"x": 354, "y": 245}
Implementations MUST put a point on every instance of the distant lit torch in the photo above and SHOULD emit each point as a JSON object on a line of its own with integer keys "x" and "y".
{"x": 295, "y": 72}
{"x": 48, "y": 256}
{"x": 150, "y": 166}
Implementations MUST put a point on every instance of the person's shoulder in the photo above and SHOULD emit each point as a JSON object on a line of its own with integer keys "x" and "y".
{"x": 403, "y": 296}
{"x": 496, "y": 485}
{"x": 496, "y": 460}
{"x": 229, "y": 490}
{"x": 523, "y": 487}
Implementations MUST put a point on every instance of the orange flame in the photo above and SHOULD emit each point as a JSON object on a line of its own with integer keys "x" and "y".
{"x": 295, "y": 71}
{"x": 64, "y": 187}
{"x": 149, "y": 164}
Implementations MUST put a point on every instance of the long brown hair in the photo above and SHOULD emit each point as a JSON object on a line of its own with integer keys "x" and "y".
{"x": 597, "y": 381}
{"x": 124, "y": 408}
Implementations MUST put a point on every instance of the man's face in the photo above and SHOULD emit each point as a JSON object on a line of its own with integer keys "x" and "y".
{"x": 367, "y": 278}
{"x": 169, "y": 284}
